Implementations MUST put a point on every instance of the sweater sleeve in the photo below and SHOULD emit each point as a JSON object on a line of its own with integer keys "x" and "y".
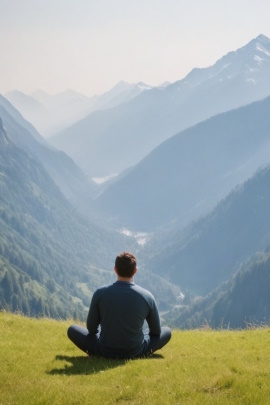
{"x": 93, "y": 318}
{"x": 153, "y": 320}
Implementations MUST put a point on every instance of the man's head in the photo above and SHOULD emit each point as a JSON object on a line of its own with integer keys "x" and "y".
{"x": 126, "y": 264}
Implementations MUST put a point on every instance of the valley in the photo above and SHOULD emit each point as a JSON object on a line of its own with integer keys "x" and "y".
{"x": 190, "y": 197}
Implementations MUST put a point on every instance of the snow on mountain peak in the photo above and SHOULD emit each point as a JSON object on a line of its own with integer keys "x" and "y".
{"x": 258, "y": 59}
{"x": 249, "y": 58}
{"x": 262, "y": 49}
{"x": 143, "y": 86}
{"x": 263, "y": 39}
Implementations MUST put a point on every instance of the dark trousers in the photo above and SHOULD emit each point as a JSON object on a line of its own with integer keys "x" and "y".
{"x": 89, "y": 343}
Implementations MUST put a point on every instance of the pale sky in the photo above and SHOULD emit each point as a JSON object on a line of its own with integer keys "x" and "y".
{"x": 90, "y": 45}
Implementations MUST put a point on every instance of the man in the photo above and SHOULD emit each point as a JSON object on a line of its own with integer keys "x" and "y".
{"x": 116, "y": 317}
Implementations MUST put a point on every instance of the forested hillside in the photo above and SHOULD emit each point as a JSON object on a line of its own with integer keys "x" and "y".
{"x": 41, "y": 235}
{"x": 210, "y": 250}
{"x": 242, "y": 302}
{"x": 50, "y": 255}
{"x": 60, "y": 167}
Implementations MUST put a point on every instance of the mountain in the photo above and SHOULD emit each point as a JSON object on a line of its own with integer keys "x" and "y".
{"x": 210, "y": 250}
{"x": 51, "y": 257}
{"x": 66, "y": 174}
{"x": 188, "y": 174}
{"x": 41, "y": 238}
{"x": 52, "y": 113}
{"x": 241, "y": 302}
{"x": 108, "y": 142}
{"x": 122, "y": 92}
{"x": 31, "y": 109}
{"x": 12, "y": 114}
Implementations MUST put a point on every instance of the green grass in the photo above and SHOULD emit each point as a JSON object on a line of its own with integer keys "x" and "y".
{"x": 39, "y": 365}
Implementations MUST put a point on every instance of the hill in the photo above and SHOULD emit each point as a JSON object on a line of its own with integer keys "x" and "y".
{"x": 188, "y": 174}
{"x": 210, "y": 250}
{"x": 108, "y": 142}
{"x": 241, "y": 302}
{"x": 201, "y": 366}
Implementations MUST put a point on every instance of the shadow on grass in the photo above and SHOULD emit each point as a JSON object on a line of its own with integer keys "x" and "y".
{"x": 82, "y": 365}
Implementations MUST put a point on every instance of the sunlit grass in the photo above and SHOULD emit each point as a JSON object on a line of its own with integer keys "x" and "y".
{"x": 39, "y": 365}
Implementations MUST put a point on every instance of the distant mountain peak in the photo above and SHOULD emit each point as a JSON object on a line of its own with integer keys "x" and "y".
{"x": 122, "y": 85}
{"x": 143, "y": 86}
{"x": 257, "y": 44}
{"x": 14, "y": 92}
{"x": 262, "y": 38}
{"x": 125, "y": 86}
{"x": 163, "y": 85}
{"x": 17, "y": 97}
{"x": 249, "y": 58}
{"x": 39, "y": 93}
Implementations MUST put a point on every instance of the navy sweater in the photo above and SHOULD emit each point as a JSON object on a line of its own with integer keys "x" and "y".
{"x": 120, "y": 309}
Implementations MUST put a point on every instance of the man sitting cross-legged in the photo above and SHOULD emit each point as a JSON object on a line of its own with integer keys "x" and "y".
{"x": 116, "y": 318}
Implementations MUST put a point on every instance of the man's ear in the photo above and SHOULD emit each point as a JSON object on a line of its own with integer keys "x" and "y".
{"x": 115, "y": 269}
{"x": 135, "y": 271}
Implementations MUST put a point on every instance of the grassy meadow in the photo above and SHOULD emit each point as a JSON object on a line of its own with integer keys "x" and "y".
{"x": 39, "y": 365}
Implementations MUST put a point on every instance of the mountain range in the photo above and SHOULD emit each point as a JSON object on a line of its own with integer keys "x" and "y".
{"x": 51, "y": 113}
{"x": 188, "y": 174}
{"x": 110, "y": 141}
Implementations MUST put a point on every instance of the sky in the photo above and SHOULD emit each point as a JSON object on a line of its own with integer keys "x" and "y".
{"x": 91, "y": 45}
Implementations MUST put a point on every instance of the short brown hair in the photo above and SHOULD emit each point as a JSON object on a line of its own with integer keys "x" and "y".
{"x": 125, "y": 264}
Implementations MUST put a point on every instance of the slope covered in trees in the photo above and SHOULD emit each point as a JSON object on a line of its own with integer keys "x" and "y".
{"x": 210, "y": 250}
{"x": 61, "y": 168}
{"x": 243, "y": 301}
{"x": 56, "y": 256}
{"x": 40, "y": 233}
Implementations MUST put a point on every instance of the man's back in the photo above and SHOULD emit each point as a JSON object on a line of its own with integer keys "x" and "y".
{"x": 121, "y": 308}
{"x": 116, "y": 317}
